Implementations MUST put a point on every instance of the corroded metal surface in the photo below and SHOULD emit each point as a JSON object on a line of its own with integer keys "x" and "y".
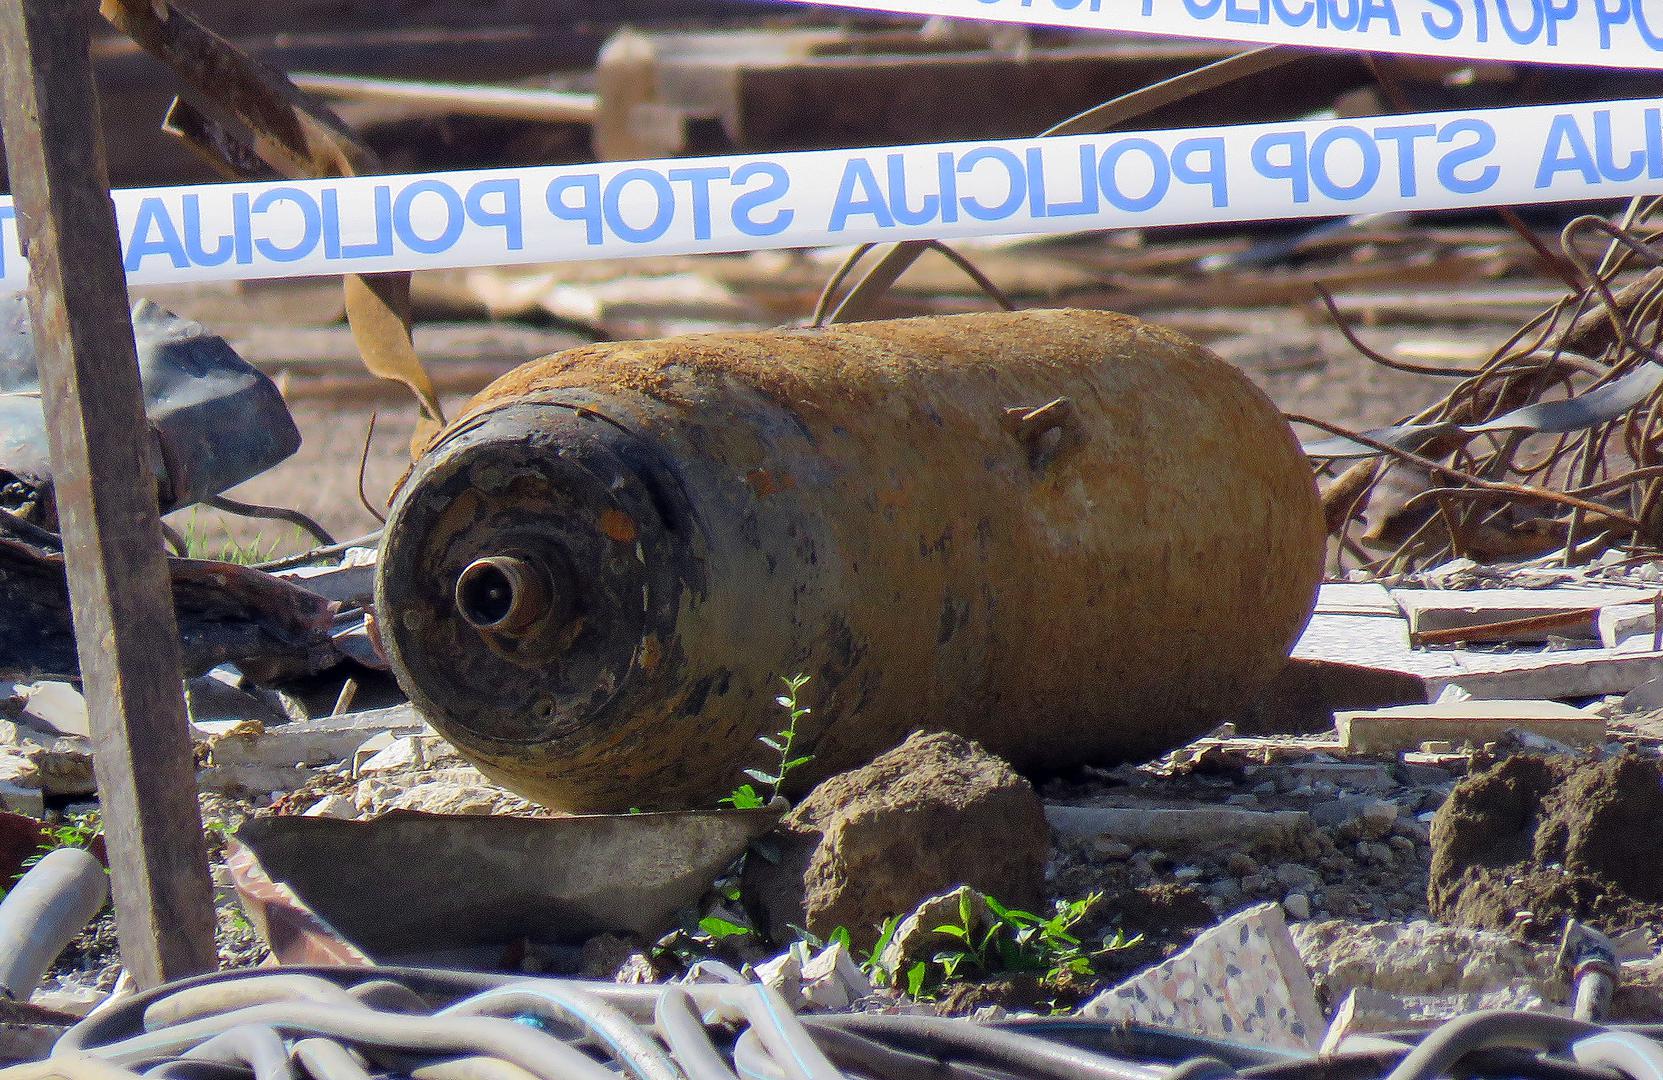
{"x": 1069, "y": 535}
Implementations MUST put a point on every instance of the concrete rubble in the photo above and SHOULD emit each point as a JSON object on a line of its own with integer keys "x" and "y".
{"x": 1295, "y": 865}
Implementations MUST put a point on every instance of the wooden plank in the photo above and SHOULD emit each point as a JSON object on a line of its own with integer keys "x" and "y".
{"x": 106, "y": 497}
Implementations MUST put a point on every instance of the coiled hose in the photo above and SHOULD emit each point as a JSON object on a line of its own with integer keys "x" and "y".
{"x": 365, "y": 1024}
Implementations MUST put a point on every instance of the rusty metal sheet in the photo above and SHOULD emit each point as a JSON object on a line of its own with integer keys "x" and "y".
{"x": 409, "y": 885}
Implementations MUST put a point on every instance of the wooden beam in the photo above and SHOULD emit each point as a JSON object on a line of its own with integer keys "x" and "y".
{"x": 106, "y": 491}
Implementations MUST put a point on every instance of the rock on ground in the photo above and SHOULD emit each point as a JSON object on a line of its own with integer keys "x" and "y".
{"x": 934, "y": 813}
{"x": 1418, "y": 959}
{"x": 1555, "y": 837}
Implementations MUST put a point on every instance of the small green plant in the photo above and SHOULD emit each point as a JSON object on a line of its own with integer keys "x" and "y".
{"x": 71, "y": 831}
{"x": 697, "y": 939}
{"x": 74, "y": 831}
{"x": 718, "y": 928}
{"x": 746, "y": 796}
{"x": 1006, "y": 941}
{"x": 237, "y": 919}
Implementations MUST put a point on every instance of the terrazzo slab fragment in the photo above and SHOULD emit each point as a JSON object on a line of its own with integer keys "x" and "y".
{"x": 1242, "y": 979}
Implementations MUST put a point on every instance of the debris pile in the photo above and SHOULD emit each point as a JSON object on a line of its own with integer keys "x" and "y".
{"x": 955, "y": 694}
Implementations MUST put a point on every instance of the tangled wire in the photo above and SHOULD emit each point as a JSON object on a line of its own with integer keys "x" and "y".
{"x": 1550, "y": 447}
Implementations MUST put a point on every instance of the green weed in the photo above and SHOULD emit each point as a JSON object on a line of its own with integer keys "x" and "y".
{"x": 746, "y": 796}
{"x": 71, "y": 831}
{"x": 1008, "y": 941}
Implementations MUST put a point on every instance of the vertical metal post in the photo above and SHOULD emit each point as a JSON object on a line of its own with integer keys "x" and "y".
{"x": 106, "y": 494}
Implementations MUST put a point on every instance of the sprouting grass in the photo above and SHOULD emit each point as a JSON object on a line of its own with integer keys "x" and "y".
{"x": 215, "y": 543}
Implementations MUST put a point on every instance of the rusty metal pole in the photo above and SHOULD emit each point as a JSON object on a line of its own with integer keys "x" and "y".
{"x": 106, "y": 491}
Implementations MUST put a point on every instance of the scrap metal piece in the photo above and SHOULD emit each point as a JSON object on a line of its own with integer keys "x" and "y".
{"x": 348, "y": 891}
{"x": 1601, "y": 405}
{"x": 1069, "y": 535}
{"x": 226, "y": 614}
{"x": 216, "y": 420}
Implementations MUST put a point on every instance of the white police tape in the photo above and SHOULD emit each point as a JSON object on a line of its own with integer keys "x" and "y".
{"x": 1604, "y": 33}
{"x": 1426, "y": 161}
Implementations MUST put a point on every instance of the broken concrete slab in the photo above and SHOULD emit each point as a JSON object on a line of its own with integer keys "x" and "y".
{"x": 1242, "y": 979}
{"x": 1366, "y": 1012}
{"x": 1420, "y": 958}
{"x": 1349, "y": 628}
{"x": 252, "y": 780}
{"x": 322, "y": 741}
{"x": 347, "y": 584}
{"x": 211, "y": 700}
{"x": 1444, "y": 609}
{"x": 22, "y": 798}
{"x": 60, "y": 765}
{"x": 1570, "y": 673}
{"x": 1407, "y": 727}
{"x": 1624, "y": 621}
{"x": 481, "y": 883}
{"x": 1164, "y": 827}
{"x": 55, "y": 707}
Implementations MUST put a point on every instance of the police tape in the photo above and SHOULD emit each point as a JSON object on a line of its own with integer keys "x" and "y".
{"x": 495, "y": 217}
{"x": 1601, "y": 33}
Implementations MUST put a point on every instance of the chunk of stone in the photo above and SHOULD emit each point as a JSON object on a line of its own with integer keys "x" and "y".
{"x": 784, "y": 973}
{"x": 1242, "y": 980}
{"x": 1366, "y": 1012}
{"x": 934, "y": 813}
{"x": 402, "y": 755}
{"x": 832, "y": 981}
{"x": 334, "y": 806}
{"x": 915, "y": 937}
{"x": 1419, "y": 959}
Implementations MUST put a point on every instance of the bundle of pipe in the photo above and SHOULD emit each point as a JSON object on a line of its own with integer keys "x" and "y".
{"x": 358, "y": 1023}
{"x": 1070, "y": 535}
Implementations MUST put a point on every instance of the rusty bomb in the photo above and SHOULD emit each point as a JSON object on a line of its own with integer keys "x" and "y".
{"x": 1069, "y": 535}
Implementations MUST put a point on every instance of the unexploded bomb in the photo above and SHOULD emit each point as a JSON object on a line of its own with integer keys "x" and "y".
{"x": 1069, "y": 535}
